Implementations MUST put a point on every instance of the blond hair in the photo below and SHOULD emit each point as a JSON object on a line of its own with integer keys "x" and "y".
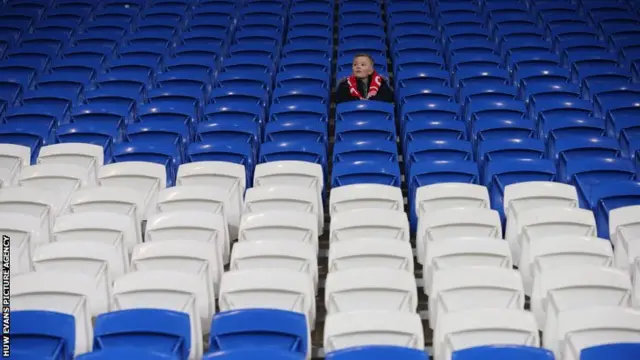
{"x": 364, "y": 55}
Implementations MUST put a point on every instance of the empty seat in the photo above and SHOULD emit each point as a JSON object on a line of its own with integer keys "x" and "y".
{"x": 361, "y": 328}
{"x": 363, "y": 196}
{"x": 608, "y": 196}
{"x": 477, "y": 327}
{"x": 377, "y": 352}
{"x": 464, "y": 251}
{"x": 31, "y": 326}
{"x": 369, "y": 223}
{"x": 365, "y": 172}
{"x": 456, "y": 222}
{"x": 503, "y": 352}
{"x": 12, "y": 159}
{"x": 239, "y": 333}
{"x": 169, "y": 290}
{"x": 226, "y": 176}
{"x": 370, "y": 289}
{"x": 622, "y": 351}
{"x": 295, "y": 198}
{"x": 274, "y": 253}
{"x": 453, "y": 290}
{"x": 586, "y": 327}
{"x": 282, "y": 289}
{"x": 548, "y": 252}
{"x": 280, "y": 225}
{"x": 64, "y": 179}
{"x": 296, "y": 173}
{"x": 623, "y": 233}
{"x": 370, "y": 252}
{"x": 103, "y": 263}
{"x": 88, "y": 156}
{"x": 74, "y": 293}
{"x": 25, "y": 236}
{"x": 555, "y": 290}
{"x": 144, "y": 177}
{"x": 520, "y": 197}
{"x": 198, "y": 225}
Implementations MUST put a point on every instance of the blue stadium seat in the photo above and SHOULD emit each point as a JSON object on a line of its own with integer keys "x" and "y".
{"x": 100, "y": 134}
{"x": 560, "y": 126}
{"x": 481, "y": 91}
{"x": 98, "y": 38}
{"x": 32, "y": 55}
{"x": 480, "y": 110}
{"x": 409, "y": 50}
{"x": 296, "y": 150}
{"x": 365, "y": 110}
{"x": 308, "y": 112}
{"x": 404, "y": 32}
{"x": 503, "y": 353}
{"x": 77, "y": 70}
{"x": 303, "y": 78}
{"x": 166, "y": 155}
{"x": 432, "y": 111}
{"x": 264, "y": 329}
{"x": 229, "y": 130}
{"x": 302, "y": 64}
{"x": 496, "y": 175}
{"x": 585, "y": 173}
{"x": 490, "y": 129}
{"x": 14, "y": 78}
{"x": 236, "y": 152}
{"x": 90, "y": 55}
{"x": 364, "y": 150}
{"x": 425, "y": 94}
{"x": 179, "y": 114}
{"x": 176, "y": 96}
{"x": 113, "y": 116}
{"x": 155, "y": 330}
{"x": 435, "y": 150}
{"x": 125, "y": 353}
{"x": 199, "y": 39}
{"x": 597, "y": 79}
{"x": 300, "y": 96}
{"x": 240, "y": 80}
{"x": 238, "y": 97}
{"x": 551, "y": 90}
{"x": 235, "y": 112}
{"x": 160, "y": 133}
{"x": 544, "y": 74}
{"x": 623, "y": 351}
{"x": 33, "y": 115}
{"x": 419, "y": 78}
{"x": 570, "y": 148}
{"x": 550, "y": 109}
{"x": 318, "y": 36}
{"x": 296, "y": 129}
{"x": 609, "y": 195}
{"x": 361, "y": 35}
{"x": 109, "y": 99}
{"x": 617, "y": 102}
{"x": 192, "y": 81}
{"x": 424, "y": 62}
{"x": 252, "y": 353}
{"x": 428, "y": 130}
{"x": 482, "y": 74}
{"x": 42, "y": 335}
{"x": 365, "y": 129}
{"x": 378, "y": 352}
{"x": 365, "y": 172}
{"x": 510, "y": 148}
{"x": 310, "y": 50}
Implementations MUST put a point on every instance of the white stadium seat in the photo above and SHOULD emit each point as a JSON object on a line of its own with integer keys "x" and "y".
{"x": 283, "y": 197}
{"x": 6, "y": 178}
{"x": 190, "y": 256}
{"x": 118, "y": 200}
{"x": 145, "y": 177}
{"x": 464, "y": 288}
{"x": 228, "y": 177}
{"x": 369, "y": 223}
{"x": 477, "y": 327}
{"x": 275, "y": 254}
{"x": 520, "y": 197}
{"x": 62, "y": 178}
{"x": 171, "y": 290}
{"x": 112, "y": 229}
{"x": 88, "y": 156}
{"x": 576, "y": 286}
{"x": 68, "y": 293}
{"x": 360, "y": 328}
{"x": 293, "y": 173}
{"x": 456, "y": 222}
{"x": 555, "y": 251}
{"x": 370, "y": 289}
{"x": 624, "y": 232}
{"x": 282, "y": 289}
{"x": 541, "y": 222}
{"x": 280, "y": 225}
{"x": 365, "y": 196}
{"x": 463, "y": 252}
{"x": 13, "y": 158}
{"x": 102, "y": 262}
{"x": 636, "y": 283}
{"x": 190, "y": 225}
{"x": 41, "y": 203}
{"x": 582, "y": 328}
{"x": 371, "y": 252}
{"x": 436, "y": 197}
{"x": 25, "y": 235}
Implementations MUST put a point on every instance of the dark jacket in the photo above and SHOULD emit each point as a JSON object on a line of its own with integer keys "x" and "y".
{"x": 343, "y": 95}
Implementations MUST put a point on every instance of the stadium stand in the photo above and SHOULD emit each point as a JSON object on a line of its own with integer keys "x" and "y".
{"x": 176, "y": 182}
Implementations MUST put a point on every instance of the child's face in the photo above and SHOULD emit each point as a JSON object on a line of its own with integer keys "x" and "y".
{"x": 362, "y": 67}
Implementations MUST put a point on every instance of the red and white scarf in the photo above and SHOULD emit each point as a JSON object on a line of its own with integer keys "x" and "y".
{"x": 374, "y": 86}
